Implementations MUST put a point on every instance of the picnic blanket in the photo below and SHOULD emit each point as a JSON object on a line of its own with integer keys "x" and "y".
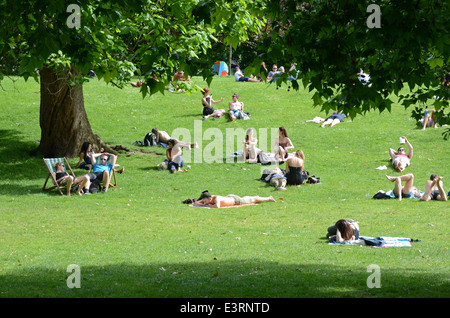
{"x": 379, "y": 242}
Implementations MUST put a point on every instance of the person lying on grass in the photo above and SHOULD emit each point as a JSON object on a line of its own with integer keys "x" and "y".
{"x": 333, "y": 119}
{"x": 161, "y": 137}
{"x": 344, "y": 230}
{"x": 216, "y": 201}
{"x": 434, "y": 189}
{"x": 63, "y": 178}
{"x": 275, "y": 177}
{"x": 401, "y": 160}
{"x": 408, "y": 190}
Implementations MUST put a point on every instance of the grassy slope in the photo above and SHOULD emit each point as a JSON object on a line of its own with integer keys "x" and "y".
{"x": 138, "y": 240}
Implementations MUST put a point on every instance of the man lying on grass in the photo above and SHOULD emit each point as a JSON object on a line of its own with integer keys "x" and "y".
{"x": 215, "y": 201}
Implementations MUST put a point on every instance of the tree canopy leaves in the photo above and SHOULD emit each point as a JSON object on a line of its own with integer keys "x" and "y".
{"x": 330, "y": 42}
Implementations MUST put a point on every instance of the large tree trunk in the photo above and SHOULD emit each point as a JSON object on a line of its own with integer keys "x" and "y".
{"x": 63, "y": 120}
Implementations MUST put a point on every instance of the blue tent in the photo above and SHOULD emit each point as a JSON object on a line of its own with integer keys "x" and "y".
{"x": 221, "y": 68}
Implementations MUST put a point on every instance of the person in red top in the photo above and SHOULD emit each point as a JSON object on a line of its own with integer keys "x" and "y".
{"x": 173, "y": 153}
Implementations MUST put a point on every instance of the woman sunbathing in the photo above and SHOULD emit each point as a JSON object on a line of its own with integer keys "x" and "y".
{"x": 401, "y": 160}
{"x": 294, "y": 168}
{"x": 216, "y": 201}
{"x": 344, "y": 230}
{"x": 406, "y": 191}
{"x": 333, "y": 119}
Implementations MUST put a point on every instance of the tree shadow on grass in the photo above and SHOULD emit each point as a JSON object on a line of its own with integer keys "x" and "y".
{"x": 15, "y": 155}
{"x": 242, "y": 278}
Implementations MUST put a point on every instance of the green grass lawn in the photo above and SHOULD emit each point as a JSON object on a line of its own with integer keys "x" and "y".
{"x": 139, "y": 240}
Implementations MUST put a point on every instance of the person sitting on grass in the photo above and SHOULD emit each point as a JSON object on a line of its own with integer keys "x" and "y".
{"x": 272, "y": 73}
{"x": 434, "y": 189}
{"x": 235, "y": 107}
{"x": 251, "y": 152}
{"x": 334, "y": 119}
{"x": 429, "y": 119}
{"x": 294, "y": 168}
{"x": 100, "y": 171}
{"x": 406, "y": 191}
{"x": 344, "y": 230}
{"x": 174, "y": 159}
{"x": 63, "y": 178}
{"x": 179, "y": 77}
{"x": 216, "y": 201}
{"x": 401, "y": 160}
{"x": 282, "y": 145}
{"x": 208, "y": 110}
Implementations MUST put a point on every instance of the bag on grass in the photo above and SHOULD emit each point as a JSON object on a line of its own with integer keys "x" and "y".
{"x": 313, "y": 180}
{"x": 264, "y": 159}
{"x": 381, "y": 195}
{"x": 150, "y": 139}
{"x": 93, "y": 188}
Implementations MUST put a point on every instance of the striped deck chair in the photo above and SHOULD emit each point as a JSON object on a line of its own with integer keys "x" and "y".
{"x": 111, "y": 171}
{"x": 50, "y": 164}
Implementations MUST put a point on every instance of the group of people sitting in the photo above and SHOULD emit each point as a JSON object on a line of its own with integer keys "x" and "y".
{"x": 276, "y": 72}
{"x": 235, "y": 107}
{"x": 99, "y": 173}
{"x": 279, "y": 178}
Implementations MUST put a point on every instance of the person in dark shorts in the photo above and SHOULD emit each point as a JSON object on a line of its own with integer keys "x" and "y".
{"x": 408, "y": 190}
{"x": 334, "y": 119}
{"x": 101, "y": 171}
{"x": 434, "y": 189}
